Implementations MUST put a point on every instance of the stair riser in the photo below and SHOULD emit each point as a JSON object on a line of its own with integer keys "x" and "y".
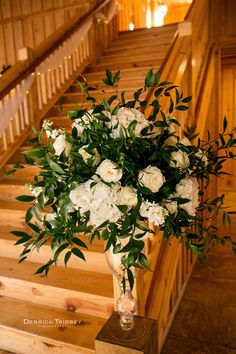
{"x": 134, "y": 64}
{"x": 26, "y": 343}
{"x": 25, "y": 174}
{"x": 134, "y": 49}
{"x": 60, "y": 298}
{"x": 95, "y": 261}
{"x": 124, "y": 59}
{"x": 9, "y": 192}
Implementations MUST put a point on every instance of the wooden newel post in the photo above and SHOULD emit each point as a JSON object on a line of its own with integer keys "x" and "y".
{"x": 145, "y": 341}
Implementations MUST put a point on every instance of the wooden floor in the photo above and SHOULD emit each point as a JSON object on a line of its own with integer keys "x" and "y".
{"x": 205, "y": 322}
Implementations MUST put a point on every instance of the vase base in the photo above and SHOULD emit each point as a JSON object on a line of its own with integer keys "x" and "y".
{"x": 138, "y": 331}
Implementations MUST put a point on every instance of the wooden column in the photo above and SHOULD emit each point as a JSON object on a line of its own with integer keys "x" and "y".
{"x": 145, "y": 334}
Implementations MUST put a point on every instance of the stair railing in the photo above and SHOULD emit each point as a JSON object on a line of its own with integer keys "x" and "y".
{"x": 189, "y": 64}
{"x": 33, "y": 85}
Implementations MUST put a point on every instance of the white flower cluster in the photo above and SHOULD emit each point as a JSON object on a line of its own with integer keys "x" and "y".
{"x": 99, "y": 198}
{"x": 188, "y": 188}
{"x": 84, "y": 122}
{"x": 61, "y": 144}
{"x": 35, "y": 191}
{"x": 154, "y": 212}
{"x": 120, "y": 123}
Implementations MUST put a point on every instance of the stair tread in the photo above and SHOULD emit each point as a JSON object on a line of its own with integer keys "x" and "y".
{"x": 67, "y": 278}
{"x": 96, "y": 246}
{"x": 15, "y": 315}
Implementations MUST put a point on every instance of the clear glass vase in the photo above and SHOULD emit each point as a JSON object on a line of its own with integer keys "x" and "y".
{"x": 126, "y": 304}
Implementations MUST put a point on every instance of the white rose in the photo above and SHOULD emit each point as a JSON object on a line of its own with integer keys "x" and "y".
{"x": 188, "y": 188}
{"x": 128, "y": 196}
{"x": 152, "y": 178}
{"x": 179, "y": 159}
{"x": 139, "y": 231}
{"x": 60, "y": 145}
{"x": 153, "y": 212}
{"x": 109, "y": 171}
{"x": 87, "y": 156}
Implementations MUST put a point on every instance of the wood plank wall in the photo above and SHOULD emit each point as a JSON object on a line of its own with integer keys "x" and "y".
{"x": 223, "y": 23}
{"x": 228, "y": 92}
{"x": 27, "y": 23}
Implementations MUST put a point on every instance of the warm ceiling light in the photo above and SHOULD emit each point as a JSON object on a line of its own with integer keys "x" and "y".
{"x": 131, "y": 26}
{"x": 149, "y": 18}
{"x": 159, "y": 15}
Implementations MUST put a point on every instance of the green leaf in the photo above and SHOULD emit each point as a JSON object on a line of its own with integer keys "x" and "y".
{"x": 181, "y": 108}
{"x": 54, "y": 166}
{"x": 9, "y": 172}
{"x": 78, "y": 253}
{"x": 186, "y": 99}
{"x": 225, "y": 123}
{"x": 195, "y": 248}
{"x": 60, "y": 249}
{"x": 143, "y": 260}
{"x": 29, "y": 215}
{"x": 36, "y": 212}
{"x": 25, "y": 198}
{"x": 149, "y": 79}
{"x": 130, "y": 278}
{"x": 79, "y": 243}
{"x": 131, "y": 128}
{"x": 22, "y": 240}
{"x": 19, "y": 233}
{"x": 35, "y": 153}
{"x": 67, "y": 257}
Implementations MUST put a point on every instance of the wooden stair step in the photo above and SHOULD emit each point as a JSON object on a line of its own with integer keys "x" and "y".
{"x": 140, "y": 39}
{"x": 64, "y": 288}
{"x": 18, "y": 334}
{"x": 134, "y": 65}
{"x": 95, "y": 259}
{"x": 136, "y": 48}
{"x": 146, "y": 31}
{"x": 126, "y": 73}
{"x": 23, "y": 175}
{"x": 9, "y": 190}
{"x": 96, "y": 246}
{"x": 125, "y": 58}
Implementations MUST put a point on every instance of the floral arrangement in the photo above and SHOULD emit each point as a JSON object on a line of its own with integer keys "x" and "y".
{"x": 117, "y": 172}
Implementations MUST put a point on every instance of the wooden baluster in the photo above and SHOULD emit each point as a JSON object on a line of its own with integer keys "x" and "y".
{"x": 26, "y": 110}
{"x": 17, "y": 121}
{"x": 53, "y": 81}
{"x": 66, "y": 66}
{"x": 39, "y": 91}
{"x": 62, "y": 74}
{"x": 43, "y": 88}
{"x": 49, "y": 83}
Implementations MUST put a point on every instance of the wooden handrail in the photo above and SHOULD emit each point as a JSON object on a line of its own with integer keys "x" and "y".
{"x": 22, "y": 69}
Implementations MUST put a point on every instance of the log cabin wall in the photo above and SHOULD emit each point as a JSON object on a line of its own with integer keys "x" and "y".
{"x": 27, "y": 23}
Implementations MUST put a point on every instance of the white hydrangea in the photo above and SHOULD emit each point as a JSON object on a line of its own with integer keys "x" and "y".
{"x": 84, "y": 121}
{"x": 99, "y": 199}
{"x": 109, "y": 171}
{"x": 61, "y": 144}
{"x": 87, "y": 156}
{"x": 188, "y": 188}
{"x": 179, "y": 159}
{"x": 202, "y": 155}
{"x": 152, "y": 178}
{"x": 153, "y": 212}
{"x": 124, "y": 117}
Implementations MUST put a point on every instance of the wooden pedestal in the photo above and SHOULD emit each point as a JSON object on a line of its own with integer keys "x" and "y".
{"x": 142, "y": 339}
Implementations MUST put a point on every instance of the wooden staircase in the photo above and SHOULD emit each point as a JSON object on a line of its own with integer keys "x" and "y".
{"x": 79, "y": 297}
